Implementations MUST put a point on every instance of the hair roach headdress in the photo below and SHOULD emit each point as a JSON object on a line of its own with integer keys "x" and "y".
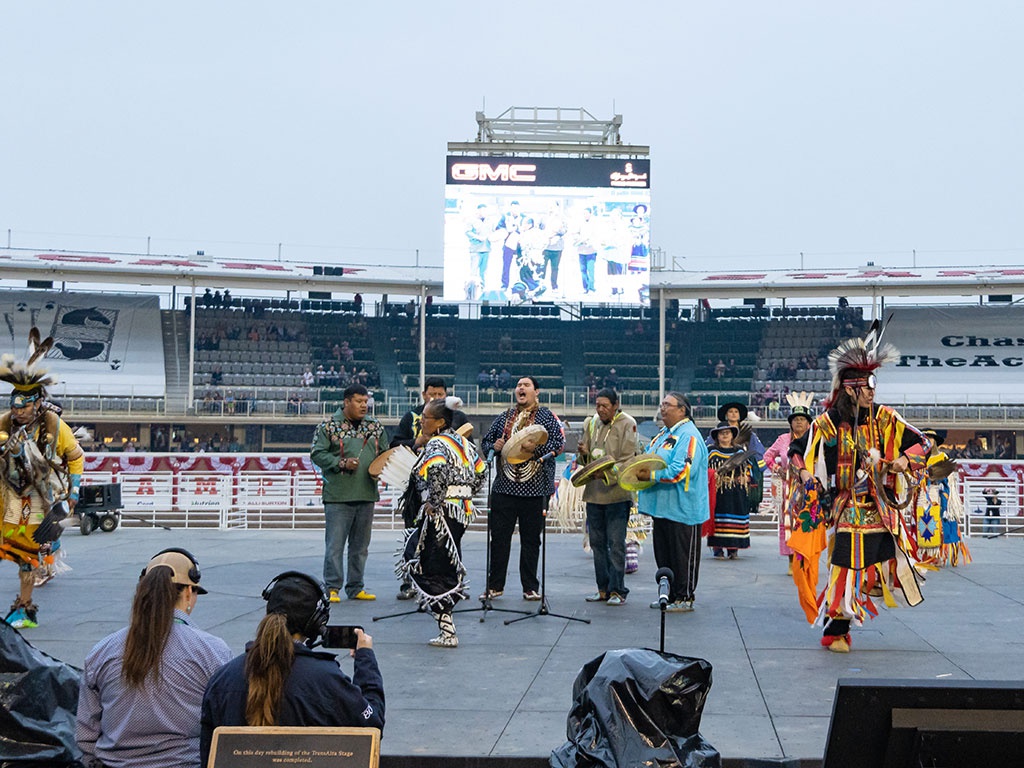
{"x": 854, "y": 362}
{"x": 29, "y": 377}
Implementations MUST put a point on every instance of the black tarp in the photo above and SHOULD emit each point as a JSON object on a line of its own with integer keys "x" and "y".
{"x": 638, "y": 707}
{"x": 38, "y": 701}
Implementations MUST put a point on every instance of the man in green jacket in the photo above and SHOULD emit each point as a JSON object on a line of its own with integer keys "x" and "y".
{"x": 343, "y": 448}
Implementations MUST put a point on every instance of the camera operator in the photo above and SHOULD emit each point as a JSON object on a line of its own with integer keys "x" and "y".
{"x": 281, "y": 680}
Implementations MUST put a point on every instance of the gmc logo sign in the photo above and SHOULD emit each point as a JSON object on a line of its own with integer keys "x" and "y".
{"x": 520, "y": 172}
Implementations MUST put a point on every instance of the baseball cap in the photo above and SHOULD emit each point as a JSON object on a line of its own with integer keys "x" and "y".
{"x": 296, "y": 599}
{"x": 184, "y": 568}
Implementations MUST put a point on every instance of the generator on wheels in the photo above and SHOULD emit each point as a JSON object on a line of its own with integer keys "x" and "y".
{"x": 99, "y": 506}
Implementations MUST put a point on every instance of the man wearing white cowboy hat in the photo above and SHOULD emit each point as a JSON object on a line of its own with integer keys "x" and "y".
{"x": 523, "y": 485}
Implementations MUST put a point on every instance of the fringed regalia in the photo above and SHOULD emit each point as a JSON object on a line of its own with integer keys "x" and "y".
{"x": 448, "y": 473}
{"x": 939, "y": 513}
{"x": 732, "y": 505}
{"x": 871, "y": 548}
{"x": 40, "y": 461}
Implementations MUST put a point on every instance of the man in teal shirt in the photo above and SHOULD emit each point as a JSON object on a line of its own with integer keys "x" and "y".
{"x": 678, "y": 500}
{"x": 343, "y": 448}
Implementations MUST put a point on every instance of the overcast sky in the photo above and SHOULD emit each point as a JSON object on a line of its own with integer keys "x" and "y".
{"x": 846, "y": 131}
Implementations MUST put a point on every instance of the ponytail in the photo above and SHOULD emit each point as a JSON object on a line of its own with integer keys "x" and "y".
{"x": 150, "y": 626}
{"x": 267, "y": 665}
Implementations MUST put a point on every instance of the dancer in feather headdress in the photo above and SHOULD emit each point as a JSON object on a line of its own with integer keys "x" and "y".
{"x": 852, "y": 456}
{"x": 40, "y": 471}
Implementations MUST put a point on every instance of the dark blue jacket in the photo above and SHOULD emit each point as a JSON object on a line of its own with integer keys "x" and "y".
{"x": 316, "y": 692}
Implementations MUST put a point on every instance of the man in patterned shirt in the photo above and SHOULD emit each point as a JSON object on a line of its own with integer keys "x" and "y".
{"x": 343, "y": 448}
{"x": 521, "y": 491}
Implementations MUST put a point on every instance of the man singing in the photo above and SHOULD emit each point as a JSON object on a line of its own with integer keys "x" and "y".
{"x": 609, "y": 432}
{"x": 522, "y": 487}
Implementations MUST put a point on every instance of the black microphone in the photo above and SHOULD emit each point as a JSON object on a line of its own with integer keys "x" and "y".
{"x": 664, "y": 578}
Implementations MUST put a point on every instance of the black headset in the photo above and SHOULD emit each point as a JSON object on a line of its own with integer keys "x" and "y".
{"x": 314, "y": 627}
{"x": 193, "y": 572}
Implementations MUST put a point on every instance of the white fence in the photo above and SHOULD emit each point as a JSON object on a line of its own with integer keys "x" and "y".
{"x": 283, "y": 491}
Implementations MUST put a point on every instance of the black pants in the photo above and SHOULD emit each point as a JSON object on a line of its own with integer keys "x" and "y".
{"x": 677, "y": 546}
{"x": 505, "y": 512}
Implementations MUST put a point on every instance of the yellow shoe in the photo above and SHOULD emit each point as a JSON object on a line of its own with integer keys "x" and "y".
{"x": 334, "y": 596}
{"x": 364, "y": 595}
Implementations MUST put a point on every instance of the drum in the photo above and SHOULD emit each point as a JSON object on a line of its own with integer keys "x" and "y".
{"x": 394, "y": 467}
{"x": 522, "y": 445}
{"x": 603, "y": 468}
{"x": 628, "y": 474}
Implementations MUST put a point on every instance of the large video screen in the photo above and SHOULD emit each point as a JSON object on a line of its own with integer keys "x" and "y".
{"x": 525, "y": 229}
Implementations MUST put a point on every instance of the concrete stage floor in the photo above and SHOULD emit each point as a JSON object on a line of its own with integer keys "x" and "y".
{"x": 506, "y": 690}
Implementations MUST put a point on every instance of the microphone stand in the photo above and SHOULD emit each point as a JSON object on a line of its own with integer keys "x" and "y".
{"x": 544, "y": 610}
{"x": 661, "y": 648}
{"x": 486, "y": 603}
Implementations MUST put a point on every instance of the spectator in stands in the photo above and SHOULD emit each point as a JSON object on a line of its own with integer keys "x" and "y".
{"x": 357, "y": 300}
{"x": 590, "y": 381}
{"x": 229, "y": 402}
{"x": 494, "y": 378}
{"x": 483, "y": 379}
{"x": 308, "y": 378}
{"x": 217, "y": 301}
{"x": 129, "y": 447}
{"x": 504, "y": 379}
{"x": 720, "y": 369}
{"x": 294, "y": 403}
{"x": 216, "y": 376}
{"x": 331, "y": 377}
{"x": 160, "y": 440}
{"x": 215, "y": 444}
{"x": 347, "y": 355}
{"x": 149, "y": 677}
{"x": 410, "y": 309}
{"x": 343, "y": 447}
{"x": 336, "y": 352}
{"x": 281, "y": 681}
{"x": 227, "y": 298}
{"x": 207, "y": 299}
{"x": 254, "y": 334}
{"x": 611, "y": 381}
{"x": 1004, "y": 450}
{"x": 321, "y": 376}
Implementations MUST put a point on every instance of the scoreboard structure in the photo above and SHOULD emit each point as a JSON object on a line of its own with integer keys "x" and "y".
{"x": 566, "y": 221}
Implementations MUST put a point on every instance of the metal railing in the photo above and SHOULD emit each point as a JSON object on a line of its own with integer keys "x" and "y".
{"x": 566, "y": 401}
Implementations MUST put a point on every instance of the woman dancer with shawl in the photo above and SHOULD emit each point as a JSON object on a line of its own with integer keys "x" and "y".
{"x": 447, "y": 473}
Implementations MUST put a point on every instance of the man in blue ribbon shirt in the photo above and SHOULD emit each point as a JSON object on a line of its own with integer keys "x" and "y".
{"x": 678, "y": 500}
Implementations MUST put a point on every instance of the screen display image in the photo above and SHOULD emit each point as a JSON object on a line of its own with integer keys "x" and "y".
{"x": 525, "y": 229}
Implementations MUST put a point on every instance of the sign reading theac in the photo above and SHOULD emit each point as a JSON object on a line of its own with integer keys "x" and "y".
{"x": 527, "y": 229}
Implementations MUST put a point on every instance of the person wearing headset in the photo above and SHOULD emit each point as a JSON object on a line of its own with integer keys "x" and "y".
{"x": 281, "y": 680}
{"x": 149, "y": 677}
